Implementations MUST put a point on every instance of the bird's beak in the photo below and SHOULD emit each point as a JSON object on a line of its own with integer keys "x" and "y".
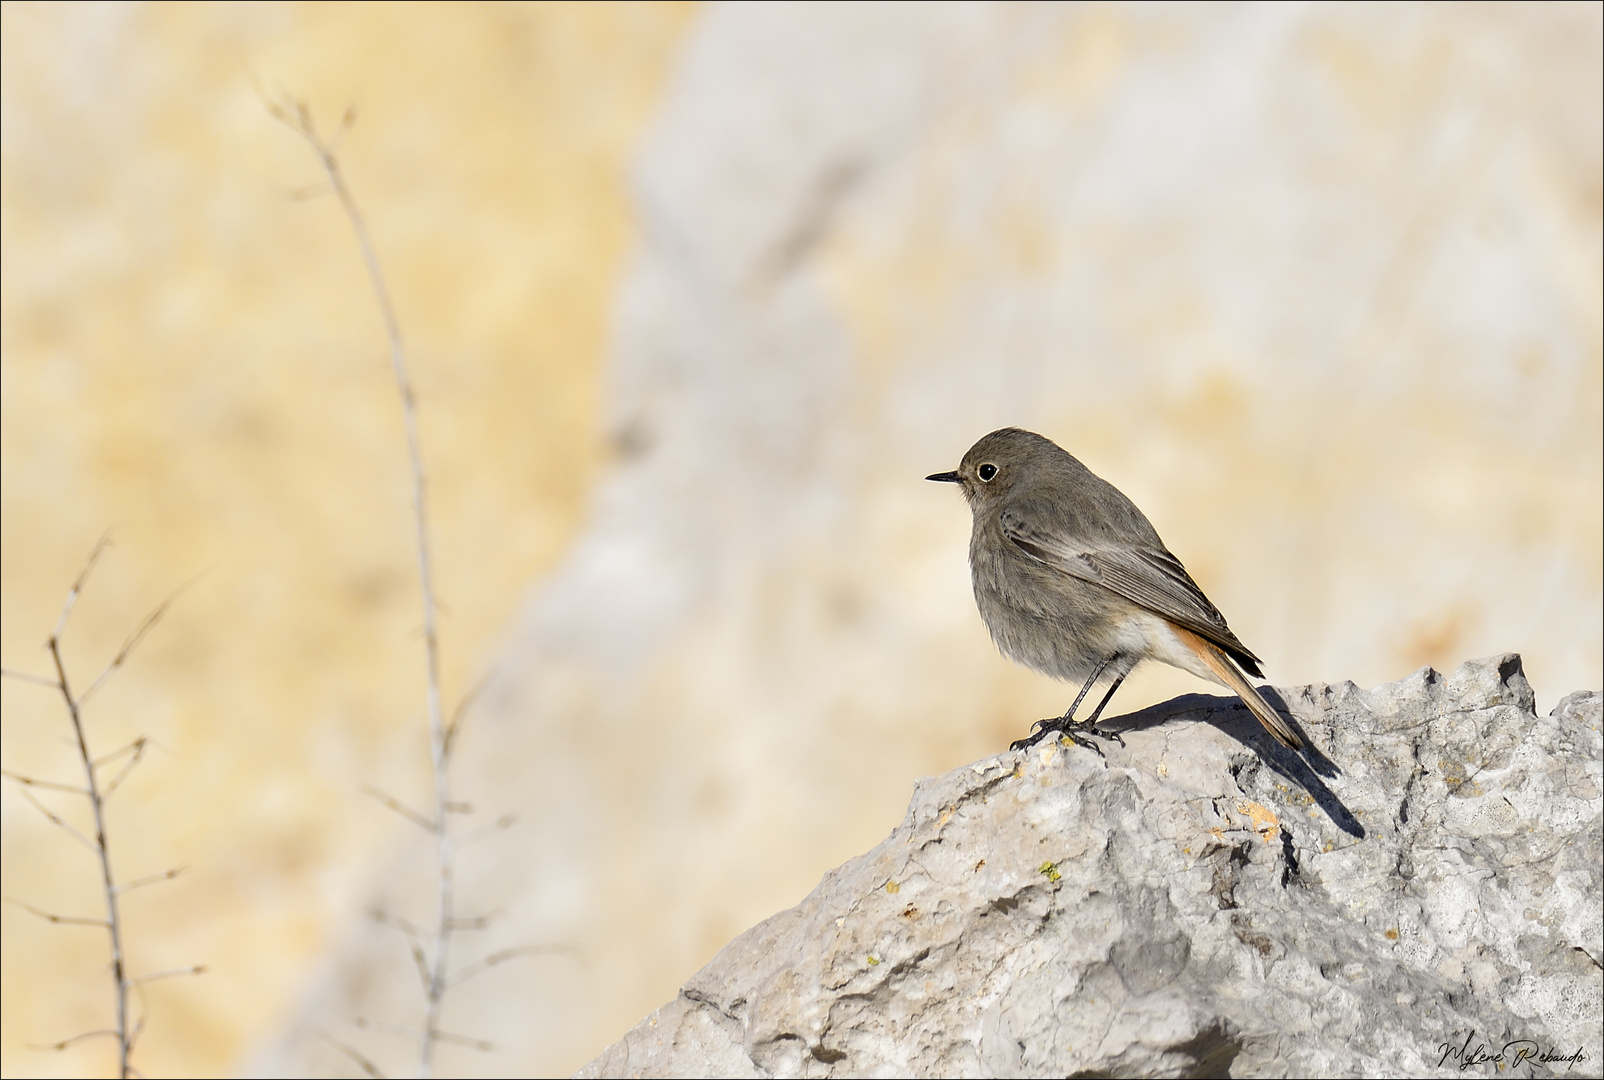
{"x": 944, "y": 477}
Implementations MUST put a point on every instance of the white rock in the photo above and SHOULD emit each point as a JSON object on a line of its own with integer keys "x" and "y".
{"x": 1427, "y": 881}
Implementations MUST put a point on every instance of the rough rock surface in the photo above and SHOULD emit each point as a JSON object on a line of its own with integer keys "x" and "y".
{"x": 1422, "y": 884}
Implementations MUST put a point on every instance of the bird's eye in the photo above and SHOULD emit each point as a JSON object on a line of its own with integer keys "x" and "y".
{"x": 987, "y": 471}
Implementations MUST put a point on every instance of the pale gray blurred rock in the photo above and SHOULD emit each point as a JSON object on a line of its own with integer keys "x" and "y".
{"x": 1197, "y": 902}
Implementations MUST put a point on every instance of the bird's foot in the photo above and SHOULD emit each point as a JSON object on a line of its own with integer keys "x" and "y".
{"x": 1076, "y": 731}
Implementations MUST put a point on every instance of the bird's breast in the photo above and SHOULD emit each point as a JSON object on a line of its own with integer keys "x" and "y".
{"x": 1043, "y": 618}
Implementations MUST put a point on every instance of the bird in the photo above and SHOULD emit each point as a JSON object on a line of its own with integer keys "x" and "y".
{"x": 1073, "y": 581}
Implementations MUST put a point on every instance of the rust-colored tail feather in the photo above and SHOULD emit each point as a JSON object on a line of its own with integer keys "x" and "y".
{"x": 1221, "y": 665}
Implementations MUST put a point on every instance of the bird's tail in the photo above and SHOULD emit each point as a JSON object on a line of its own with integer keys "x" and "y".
{"x": 1219, "y": 663}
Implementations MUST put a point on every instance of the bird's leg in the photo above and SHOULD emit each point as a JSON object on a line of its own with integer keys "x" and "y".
{"x": 1087, "y": 726}
{"x": 1101, "y": 705}
{"x": 1069, "y": 713}
{"x": 1063, "y": 724}
{"x": 1074, "y": 729}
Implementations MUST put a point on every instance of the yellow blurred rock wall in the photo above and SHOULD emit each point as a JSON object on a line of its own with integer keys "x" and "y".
{"x": 192, "y": 359}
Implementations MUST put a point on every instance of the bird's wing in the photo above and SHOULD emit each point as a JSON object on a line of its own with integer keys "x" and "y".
{"x": 1149, "y": 577}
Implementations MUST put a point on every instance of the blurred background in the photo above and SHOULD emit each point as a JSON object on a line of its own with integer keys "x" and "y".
{"x": 696, "y": 295}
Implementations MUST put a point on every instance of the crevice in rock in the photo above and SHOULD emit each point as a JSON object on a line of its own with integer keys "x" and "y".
{"x": 1212, "y": 1050}
{"x": 828, "y": 1056}
{"x": 1289, "y": 853}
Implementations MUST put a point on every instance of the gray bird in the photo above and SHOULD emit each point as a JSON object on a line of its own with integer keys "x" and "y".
{"x": 1072, "y": 580}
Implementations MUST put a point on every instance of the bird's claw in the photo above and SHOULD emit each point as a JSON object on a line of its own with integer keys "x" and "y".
{"x": 1074, "y": 731}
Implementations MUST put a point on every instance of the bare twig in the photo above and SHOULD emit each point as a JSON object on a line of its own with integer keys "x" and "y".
{"x": 135, "y": 747}
{"x": 479, "y": 967}
{"x": 464, "y": 1040}
{"x": 384, "y": 918}
{"x": 473, "y": 836}
{"x": 361, "y": 1062}
{"x": 78, "y": 586}
{"x": 417, "y": 937}
{"x": 75, "y": 920}
{"x": 129, "y": 646}
{"x": 29, "y": 781}
{"x": 56, "y": 820}
{"x": 122, "y": 774}
{"x": 139, "y": 1024}
{"x": 298, "y": 117}
{"x": 384, "y": 1027}
{"x": 402, "y": 1031}
{"x": 401, "y": 808}
{"x": 153, "y": 879}
{"x": 96, "y": 796}
{"x": 168, "y": 973}
{"x": 421, "y": 962}
{"x": 463, "y": 706}
{"x": 64, "y": 1043}
{"x": 23, "y": 676}
{"x": 97, "y": 805}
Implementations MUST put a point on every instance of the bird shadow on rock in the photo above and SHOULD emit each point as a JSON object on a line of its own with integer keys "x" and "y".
{"x": 1307, "y": 768}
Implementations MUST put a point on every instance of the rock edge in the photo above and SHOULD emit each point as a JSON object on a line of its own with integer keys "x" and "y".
{"x": 1423, "y": 885}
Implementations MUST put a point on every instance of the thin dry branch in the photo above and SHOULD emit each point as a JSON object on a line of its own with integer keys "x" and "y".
{"x": 129, "y": 645}
{"x": 23, "y": 676}
{"x": 461, "y": 713}
{"x": 139, "y": 1024}
{"x": 135, "y": 747}
{"x": 384, "y": 918}
{"x": 78, "y": 586}
{"x": 361, "y": 1062}
{"x": 463, "y": 1040}
{"x": 122, "y": 774}
{"x": 74, "y": 920}
{"x": 29, "y": 781}
{"x": 297, "y": 115}
{"x": 401, "y": 808}
{"x": 402, "y": 1031}
{"x": 479, "y": 967}
{"x": 421, "y": 962}
{"x": 96, "y": 796}
{"x": 384, "y": 1027}
{"x": 167, "y": 973}
{"x": 153, "y": 879}
{"x": 416, "y": 936}
{"x": 57, "y": 820}
{"x": 97, "y": 805}
{"x": 64, "y": 1043}
{"x": 473, "y": 836}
